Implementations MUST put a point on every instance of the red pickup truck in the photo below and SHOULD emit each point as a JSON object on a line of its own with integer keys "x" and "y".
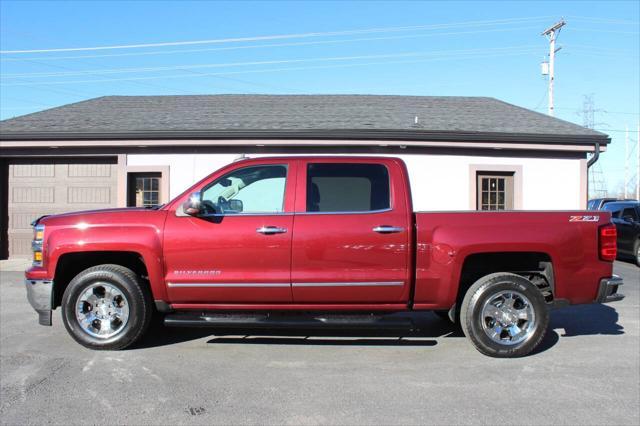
{"x": 316, "y": 241}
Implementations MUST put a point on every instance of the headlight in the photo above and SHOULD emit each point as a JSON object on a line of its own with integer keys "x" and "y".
{"x": 36, "y": 244}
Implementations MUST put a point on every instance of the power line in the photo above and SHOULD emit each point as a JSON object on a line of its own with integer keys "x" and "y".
{"x": 542, "y": 99}
{"x": 94, "y": 93}
{"x": 4, "y": 98}
{"x": 271, "y": 62}
{"x": 28, "y": 107}
{"x": 58, "y": 91}
{"x": 279, "y": 37}
{"x": 601, "y": 48}
{"x": 603, "y": 111}
{"x": 513, "y": 53}
{"x": 603, "y": 54}
{"x": 261, "y": 46}
{"x": 604, "y": 20}
{"x": 605, "y": 31}
{"x": 610, "y": 130}
{"x": 147, "y": 83}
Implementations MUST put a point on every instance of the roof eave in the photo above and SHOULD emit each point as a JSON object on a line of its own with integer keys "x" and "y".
{"x": 326, "y": 134}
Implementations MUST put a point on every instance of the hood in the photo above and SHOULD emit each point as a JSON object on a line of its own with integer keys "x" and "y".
{"x": 103, "y": 216}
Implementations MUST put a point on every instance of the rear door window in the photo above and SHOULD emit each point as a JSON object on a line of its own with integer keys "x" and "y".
{"x": 347, "y": 187}
{"x": 630, "y": 212}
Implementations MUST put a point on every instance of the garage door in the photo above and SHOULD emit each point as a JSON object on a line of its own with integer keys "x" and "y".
{"x": 57, "y": 186}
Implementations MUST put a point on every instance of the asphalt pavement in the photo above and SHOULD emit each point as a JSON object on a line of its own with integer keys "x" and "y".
{"x": 586, "y": 372}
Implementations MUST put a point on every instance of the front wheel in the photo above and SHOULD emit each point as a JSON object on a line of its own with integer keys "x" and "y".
{"x": 504, "y": 315}
{"x": 105, "y": 307}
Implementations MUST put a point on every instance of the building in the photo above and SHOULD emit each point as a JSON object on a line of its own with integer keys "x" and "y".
{"x": 463, "y": 153}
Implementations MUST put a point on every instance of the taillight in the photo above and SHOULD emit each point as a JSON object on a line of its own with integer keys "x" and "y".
{"x": 607, "y": 243}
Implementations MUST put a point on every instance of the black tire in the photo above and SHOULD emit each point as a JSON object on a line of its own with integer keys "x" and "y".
{"x": 636, "y": 252}
{"x": 139, "y": 302}
{"x": 483, "y": 291}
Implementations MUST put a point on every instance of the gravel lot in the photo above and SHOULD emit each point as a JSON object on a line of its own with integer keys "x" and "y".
{"x": 588, "y": 372}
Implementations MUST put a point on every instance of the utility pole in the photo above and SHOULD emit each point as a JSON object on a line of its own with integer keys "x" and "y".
{"x": 638, "y": 163}
{"x": 552, "y": 34}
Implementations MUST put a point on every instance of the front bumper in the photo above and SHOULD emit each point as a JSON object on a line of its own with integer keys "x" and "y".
{"x": 40, "y": 294}
{"x": 608, "y": 290}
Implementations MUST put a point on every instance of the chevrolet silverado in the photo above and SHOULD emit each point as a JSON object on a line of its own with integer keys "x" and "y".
{"x": 316, "y": 241}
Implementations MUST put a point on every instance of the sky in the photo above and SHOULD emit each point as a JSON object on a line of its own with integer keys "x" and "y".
{"x": 55, "y": 53}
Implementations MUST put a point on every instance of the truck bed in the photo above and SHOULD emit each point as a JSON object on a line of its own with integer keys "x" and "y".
{"x": 445, "y": 240}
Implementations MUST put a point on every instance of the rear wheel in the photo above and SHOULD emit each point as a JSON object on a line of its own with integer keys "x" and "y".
{"x": 636, "y": 250}
{"x": 105, "y": 307}
{"x": 504, "y": 315}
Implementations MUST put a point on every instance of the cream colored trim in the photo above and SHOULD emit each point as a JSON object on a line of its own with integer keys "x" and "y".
{"x": 584, "y": 185}
{"x": 122, "y": 181}
{"x": 124, "y": 170}
{"x": 292, "y": 142}
{"x": 517, "y": 182}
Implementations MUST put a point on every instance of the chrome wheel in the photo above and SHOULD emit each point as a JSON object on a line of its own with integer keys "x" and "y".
{"x": 508, "y": 318}
{"x": 102, "y": 310}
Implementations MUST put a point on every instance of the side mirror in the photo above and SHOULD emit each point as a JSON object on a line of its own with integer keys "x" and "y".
{"x": 236, "y": 206}
{"x": 628, "y": 219}
{"x": 193, "y": 205}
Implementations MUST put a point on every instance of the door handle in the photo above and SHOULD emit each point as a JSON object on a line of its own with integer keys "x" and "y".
{"x": 386, "y": 229}
{"x": 269, "y": 230}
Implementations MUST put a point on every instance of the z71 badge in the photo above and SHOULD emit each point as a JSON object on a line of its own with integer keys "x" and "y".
{"x": 584, "y": 218}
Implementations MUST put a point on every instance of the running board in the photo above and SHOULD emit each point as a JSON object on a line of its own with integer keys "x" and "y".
{"x": 268, "y": 320}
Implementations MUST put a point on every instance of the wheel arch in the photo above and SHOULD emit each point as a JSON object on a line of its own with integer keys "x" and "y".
{"x": 71, "y": 264}
{"x": 536, "y": 266}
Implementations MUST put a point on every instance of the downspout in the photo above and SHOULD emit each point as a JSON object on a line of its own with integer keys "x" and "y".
{"x": 596, "y": 155}
{"x": 591, "y": 162}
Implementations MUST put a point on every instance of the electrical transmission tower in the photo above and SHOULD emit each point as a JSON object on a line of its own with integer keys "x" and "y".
{"x": 631, "y": 185}
{"x": 588, "y": 111}
{"x": 597, "y": 184}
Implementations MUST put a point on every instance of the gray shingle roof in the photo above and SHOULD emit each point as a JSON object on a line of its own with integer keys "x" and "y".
{"x": 298, "y": 116}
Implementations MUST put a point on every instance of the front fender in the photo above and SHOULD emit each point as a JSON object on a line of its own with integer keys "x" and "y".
{"x": 143, "y": 239}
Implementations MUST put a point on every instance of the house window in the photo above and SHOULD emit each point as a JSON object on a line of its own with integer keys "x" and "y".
{"x": 495, "y": 191}
{"x": 143, "y": 189}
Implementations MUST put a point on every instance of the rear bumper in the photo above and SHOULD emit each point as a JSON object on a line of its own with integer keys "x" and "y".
{"x": 39, "y": 294}
{"x": 608, "y": 290}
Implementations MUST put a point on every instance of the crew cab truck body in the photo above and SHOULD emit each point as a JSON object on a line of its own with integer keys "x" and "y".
{"x": 333, "y": 240}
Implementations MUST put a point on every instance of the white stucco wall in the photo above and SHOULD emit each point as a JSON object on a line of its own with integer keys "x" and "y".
{"x": 438, "y": 182}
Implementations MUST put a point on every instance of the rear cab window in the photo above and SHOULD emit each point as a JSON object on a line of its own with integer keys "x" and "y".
{"x": 347, "y": 187}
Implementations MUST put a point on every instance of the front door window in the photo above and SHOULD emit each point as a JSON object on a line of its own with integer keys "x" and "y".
{"x": 251, "y": 190}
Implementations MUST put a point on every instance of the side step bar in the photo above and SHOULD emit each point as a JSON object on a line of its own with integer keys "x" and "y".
{"x": 270, "y": 320}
